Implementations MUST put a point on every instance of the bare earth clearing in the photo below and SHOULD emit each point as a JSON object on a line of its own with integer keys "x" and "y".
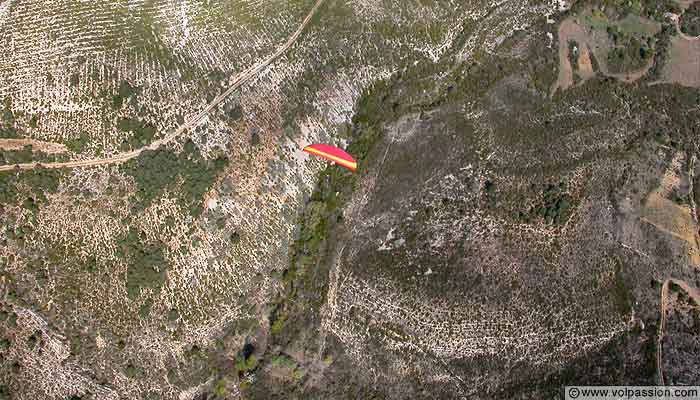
{"x": 675, "y": 220}
{"x": 37, "y": 145}
{"x": 684, "y": 62}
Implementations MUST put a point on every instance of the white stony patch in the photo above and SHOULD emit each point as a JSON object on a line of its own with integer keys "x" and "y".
{"x": 389, "y": 237}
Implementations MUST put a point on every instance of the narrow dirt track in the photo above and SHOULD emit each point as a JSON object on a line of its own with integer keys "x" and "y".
{"x": 237, "y": 82}
{"x": 694, "y": 293}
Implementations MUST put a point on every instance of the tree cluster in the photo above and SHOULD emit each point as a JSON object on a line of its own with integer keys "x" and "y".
{"x": 158, "y": 170}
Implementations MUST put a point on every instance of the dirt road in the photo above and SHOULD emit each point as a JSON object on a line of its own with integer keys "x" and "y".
{"x": 236, "y": 82}
{"x": 694, "y": 294}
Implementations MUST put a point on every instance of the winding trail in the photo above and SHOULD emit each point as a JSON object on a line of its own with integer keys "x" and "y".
{"x": 236, "y": 82}
{"x": 694, "y": 294}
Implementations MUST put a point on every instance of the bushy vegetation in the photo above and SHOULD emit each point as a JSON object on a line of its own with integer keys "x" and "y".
{"x": 247, "y": 364}
{"x": 40, "y": 180}
{"x": 325, "y": 209}
{"x": 16, "y": 156}
{"x": 573, "y": 54}
{"x": 622, "y": 294}
{"x": 7, "y": 131}
{"x": 655, "y": 9}
{"x": 690, "y": 20}
{"x": 143, "y": 132}
{"x": 78, "y": 144}
{"x": 146, "y": 263}
{"x": 7, "y": 120}
{"x": 632, "y": 54}
{"x": 187, "y": 175}
{"x": 126, "y": 91}
{"x": 555, "y": 206}
{"x": 8, "y": 116}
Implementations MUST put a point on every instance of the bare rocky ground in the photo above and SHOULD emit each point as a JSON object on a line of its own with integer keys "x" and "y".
{"x": 497, "y": 242}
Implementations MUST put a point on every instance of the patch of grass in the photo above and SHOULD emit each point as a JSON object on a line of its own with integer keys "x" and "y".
{"x": 8, "y": 132}
{"x": 247, "y": 364}
{"x": 283, "y": 361}
{"x": 630, "y": 36}
{"x": 633, "y": 24}
{"x": 298, "y": 374}
{"x": 220, "y": 388}
{"x": 278, "y": 323}
{"x": 17, "y": 156}
{"x": 597, "y": 20}
{"x": 26, "y": 155}
{"x": 132, "y": 371}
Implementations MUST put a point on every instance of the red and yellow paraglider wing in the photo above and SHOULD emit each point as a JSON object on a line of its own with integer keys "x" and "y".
{"x": 334, "y": 154}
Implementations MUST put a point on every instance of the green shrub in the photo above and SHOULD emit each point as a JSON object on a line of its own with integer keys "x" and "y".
{"x": 40, "y": 180}
{"x": 78, "y": 144}
{"x": 125, "y": 92}
{"x": 278, "y": 324}
{"x": 690, "y": 20}
{"x": 632, "y": 55}
{"x": 131, "y": 371}
{"x": 7, "y": 115}
{"x": 157, "y": 170}
{"x": 248, "y": 364}
{"x": 220, "y": 389}
{"x": 282, "y": 361}
{"x": 146, "y": 263}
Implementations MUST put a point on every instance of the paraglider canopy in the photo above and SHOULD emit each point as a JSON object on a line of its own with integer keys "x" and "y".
{"x": 332, "y": 154}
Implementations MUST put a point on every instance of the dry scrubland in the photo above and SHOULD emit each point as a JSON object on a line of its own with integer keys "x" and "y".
{"x": 530, "y": 245}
